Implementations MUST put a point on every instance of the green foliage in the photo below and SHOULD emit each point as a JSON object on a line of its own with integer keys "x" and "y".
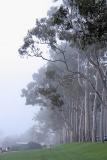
{"x": 47, "y": 91}
{"x": 51, "y": 93}
{"x": 95, "y": 14}
{"x": 50, "y": 74}
{"x": 56, "y": 100}
{"x": 86, "y": 6}
{"x": 58, "y": 17}
{"x": 90, "y": 7}
{"x": 90, "y": 30}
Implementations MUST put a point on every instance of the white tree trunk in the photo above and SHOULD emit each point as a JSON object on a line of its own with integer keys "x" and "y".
{"x": 102, "y": 119}
{"x": 87, "y": 111}
{"x": 81, "y": 126}
{"x": 94, "y": 124}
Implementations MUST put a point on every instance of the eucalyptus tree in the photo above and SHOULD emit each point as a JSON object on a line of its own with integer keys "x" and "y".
{"x": 81, "y": 24}
{"x": 55, "y": 89}
{"x": 74, "y": 21}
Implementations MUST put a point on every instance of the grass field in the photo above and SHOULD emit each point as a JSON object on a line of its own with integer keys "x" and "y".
{"x": 75, "y": 151}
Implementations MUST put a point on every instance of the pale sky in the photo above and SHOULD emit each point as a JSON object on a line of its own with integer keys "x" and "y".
{"x": 16, "y": 17}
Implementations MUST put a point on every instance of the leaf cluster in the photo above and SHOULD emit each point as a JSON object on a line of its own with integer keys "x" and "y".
{"x": 52, "y": 95}
{"x": 59, "y": 16}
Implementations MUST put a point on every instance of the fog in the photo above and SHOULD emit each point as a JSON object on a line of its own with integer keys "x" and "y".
{"x": 15, "y": 72}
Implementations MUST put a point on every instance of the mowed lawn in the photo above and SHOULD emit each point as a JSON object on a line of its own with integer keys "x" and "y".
{"x": 74, "y": 151}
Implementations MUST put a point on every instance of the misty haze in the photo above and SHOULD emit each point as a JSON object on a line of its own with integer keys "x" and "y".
{"x": 53, "y": 89}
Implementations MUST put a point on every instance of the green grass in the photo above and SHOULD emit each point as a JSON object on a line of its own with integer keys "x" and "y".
{"x": 74, "y": 151}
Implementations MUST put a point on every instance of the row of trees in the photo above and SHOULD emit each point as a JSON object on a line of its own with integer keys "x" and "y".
{"x": 73, "y": 83}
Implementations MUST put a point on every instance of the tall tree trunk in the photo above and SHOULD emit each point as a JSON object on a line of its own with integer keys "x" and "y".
{"x": 87, "y": 111}
{"x": 77, "y": 124}
{"x": 102, "y": 120}
{"x": 73, "y": 122}
{"x": 103, "y": 107}
{"x": 79, "y": 115}
{"x": 81, "y": 126}
{"x": 94, "y": 129}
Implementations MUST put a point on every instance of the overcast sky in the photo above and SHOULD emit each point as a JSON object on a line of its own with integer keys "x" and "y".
{"x": 16, "y": 17}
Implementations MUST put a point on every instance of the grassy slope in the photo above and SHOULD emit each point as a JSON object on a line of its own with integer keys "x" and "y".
{"x": 75, "y": 151}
